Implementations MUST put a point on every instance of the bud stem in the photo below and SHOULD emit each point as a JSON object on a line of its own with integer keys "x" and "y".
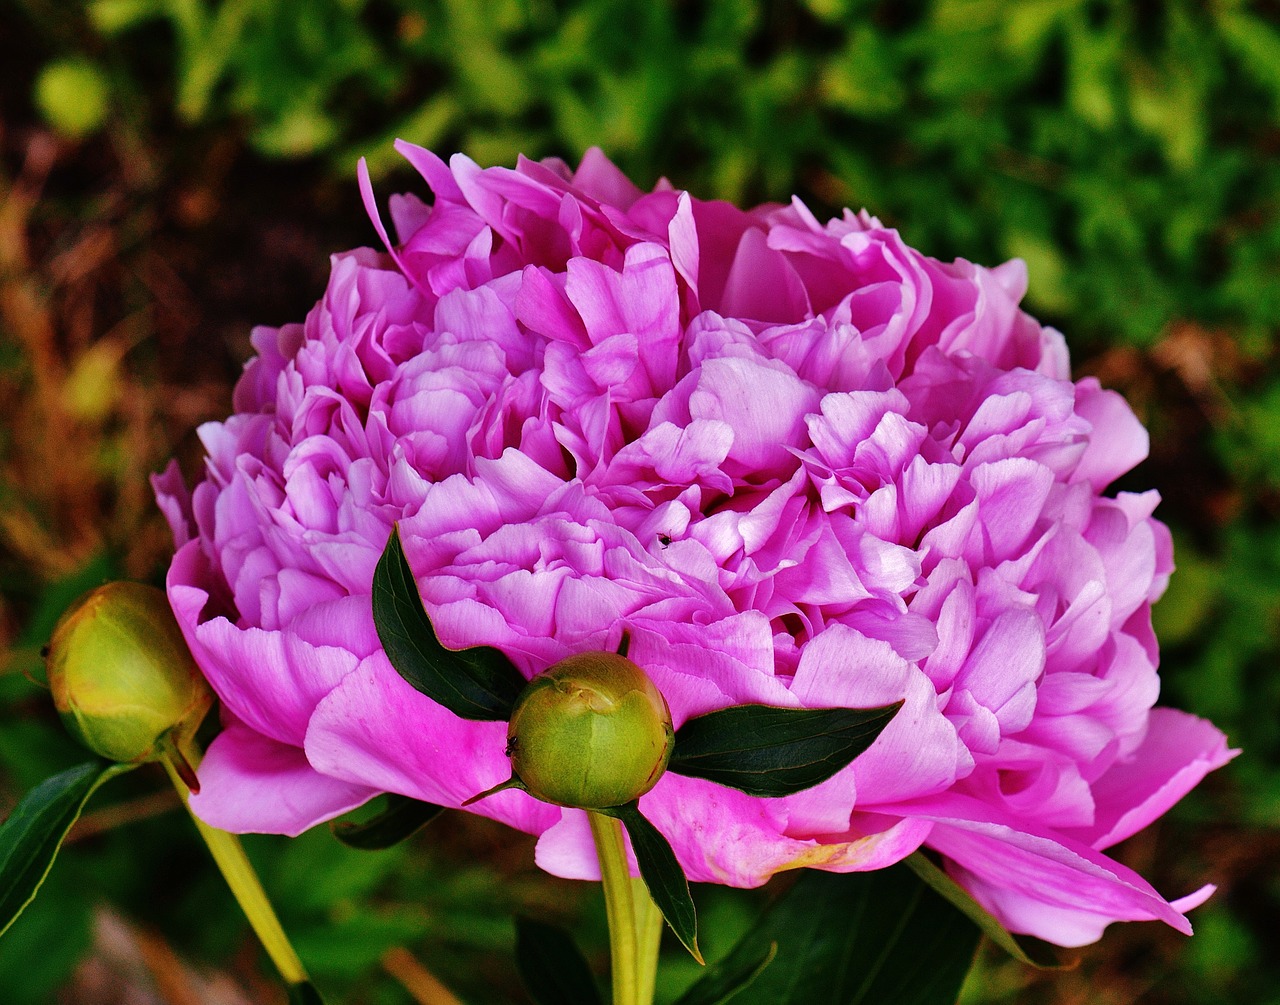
{"x": 635, "y": 924}
{"x": 239, "y": 873}
{"x": 649, "y": 926}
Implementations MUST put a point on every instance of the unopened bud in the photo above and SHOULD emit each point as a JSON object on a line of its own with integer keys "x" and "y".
{"x": 592, "y": 732}
{"x": 122, "y": 676}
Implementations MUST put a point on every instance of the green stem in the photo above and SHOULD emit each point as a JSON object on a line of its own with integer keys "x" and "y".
{"x": 649, "y": 925}
{"x": 238, "y": 871}
{"x": 635, "y": 926}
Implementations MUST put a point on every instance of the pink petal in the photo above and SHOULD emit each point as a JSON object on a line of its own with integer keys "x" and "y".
{"x": 762, "y": 285}
{"x": 1011, "y": 495}
{"x": 1118, "y": 441}
{"x": 918, "y": 752}
{"x": 271, "y": 680}
{"x": 642, "y": 301}
{"x": 1035, "y": 881}
{"x": 763, "y": 402}
{"x": 567, "y": 849}
{"x": 1179, "y": 750}
{"x": 174, "y": 499}
{"x": 377, "y": 730}
{"x": 250, "y": 783}
{"x": 1004, "y": 667}
{"x": 601, "y": 179}
{"x": 371, "y": 207}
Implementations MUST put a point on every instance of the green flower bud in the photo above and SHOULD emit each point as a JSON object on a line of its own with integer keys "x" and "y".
{"x": 122, "y": 677}
{"x": 592, "y": 732}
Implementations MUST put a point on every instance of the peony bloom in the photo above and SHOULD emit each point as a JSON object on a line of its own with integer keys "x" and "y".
{"x": 800, "y": 463}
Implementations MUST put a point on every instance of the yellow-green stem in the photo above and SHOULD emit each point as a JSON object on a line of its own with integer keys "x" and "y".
{"x": 633, "y": 939}
{"x": 239, "y": 873}
{"x": 649, "y": 926}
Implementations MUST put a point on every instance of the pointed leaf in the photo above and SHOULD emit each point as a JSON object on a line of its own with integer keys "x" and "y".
{"x": 725, "y": 979}
{"x": 511, "y": 783}
{"x": 304, "y": 993}
{"x": 400, "y": 819}
{"x": 552, "y": 967}
{"x": 476, "y": 683}
{"x": 34, "y": 831}
{"x": 862, "y": 938}
{"x": 769, "y": 751}
{"x": 1024, "y": 949}
{"x": 661, "y": 874}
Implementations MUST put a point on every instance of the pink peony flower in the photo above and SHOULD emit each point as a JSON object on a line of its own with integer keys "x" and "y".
{"x": 801, "y": 463}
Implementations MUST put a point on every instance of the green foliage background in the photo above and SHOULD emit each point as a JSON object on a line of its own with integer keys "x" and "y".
{"x": 172, "y": 171}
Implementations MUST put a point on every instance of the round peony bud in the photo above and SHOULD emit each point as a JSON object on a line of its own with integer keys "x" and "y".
{"x": 592, "y": 731}
{"x": 122, "y": 677}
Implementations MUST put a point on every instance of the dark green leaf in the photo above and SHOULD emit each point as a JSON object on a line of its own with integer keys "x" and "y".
{"x": 768, "y": 751}
{"x": 34, "y": 831}
{"x": 1022, "y": 948}
{"x": 552, "y": 967}
{"x": 725, "y": 979}
{"x": 401, "y": 818}
{"x": 862, "y": 938}
{"x": 476, "y": 683}
{"x": 304, "y": 994}
{"x": 661, "y": 874}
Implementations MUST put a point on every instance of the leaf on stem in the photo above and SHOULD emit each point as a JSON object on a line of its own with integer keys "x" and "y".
{"x": 1024, "y": 949}
{"x": 304, "y": 993}
{"x": 399, "y": 819}
{"x": 661, "y": 874}
{"x": 552, "y": 967}
{"x": 859, "y": 938}
{"x": 34, "y": 831}
{"x": 725, "y": 979}
{"x": 768, "y": 751}
{"x": 477, "y": 683}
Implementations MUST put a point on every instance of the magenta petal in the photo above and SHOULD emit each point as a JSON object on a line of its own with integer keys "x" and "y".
{"x": 1004, "y": 667}
{"x": 1179, "y": 750}
{"x": 1011, "y": 494}
{"x": 721, "y": 835}
{"x": 250, "y": 783}
{"x": 434, "y": 171}
{"x": 271, "y": 680}
{"x": 762, "y": 285}
{"x": 567, "y": 849}
{"x": 601, "y": 179}
{"x": 1118, "y": 441}
{"x": 1036, "y": 882}
{"x": 174, "y": 500}
{"x": 374, "y": 728}
{"x": 918, "y": 752}
{"x": 371, "y": 207}
{"x": 765, "y": 405}
{"x": 1193, "y": 900}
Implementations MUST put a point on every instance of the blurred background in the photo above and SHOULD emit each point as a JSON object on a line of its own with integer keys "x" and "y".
{"x": 173, "y": 172}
